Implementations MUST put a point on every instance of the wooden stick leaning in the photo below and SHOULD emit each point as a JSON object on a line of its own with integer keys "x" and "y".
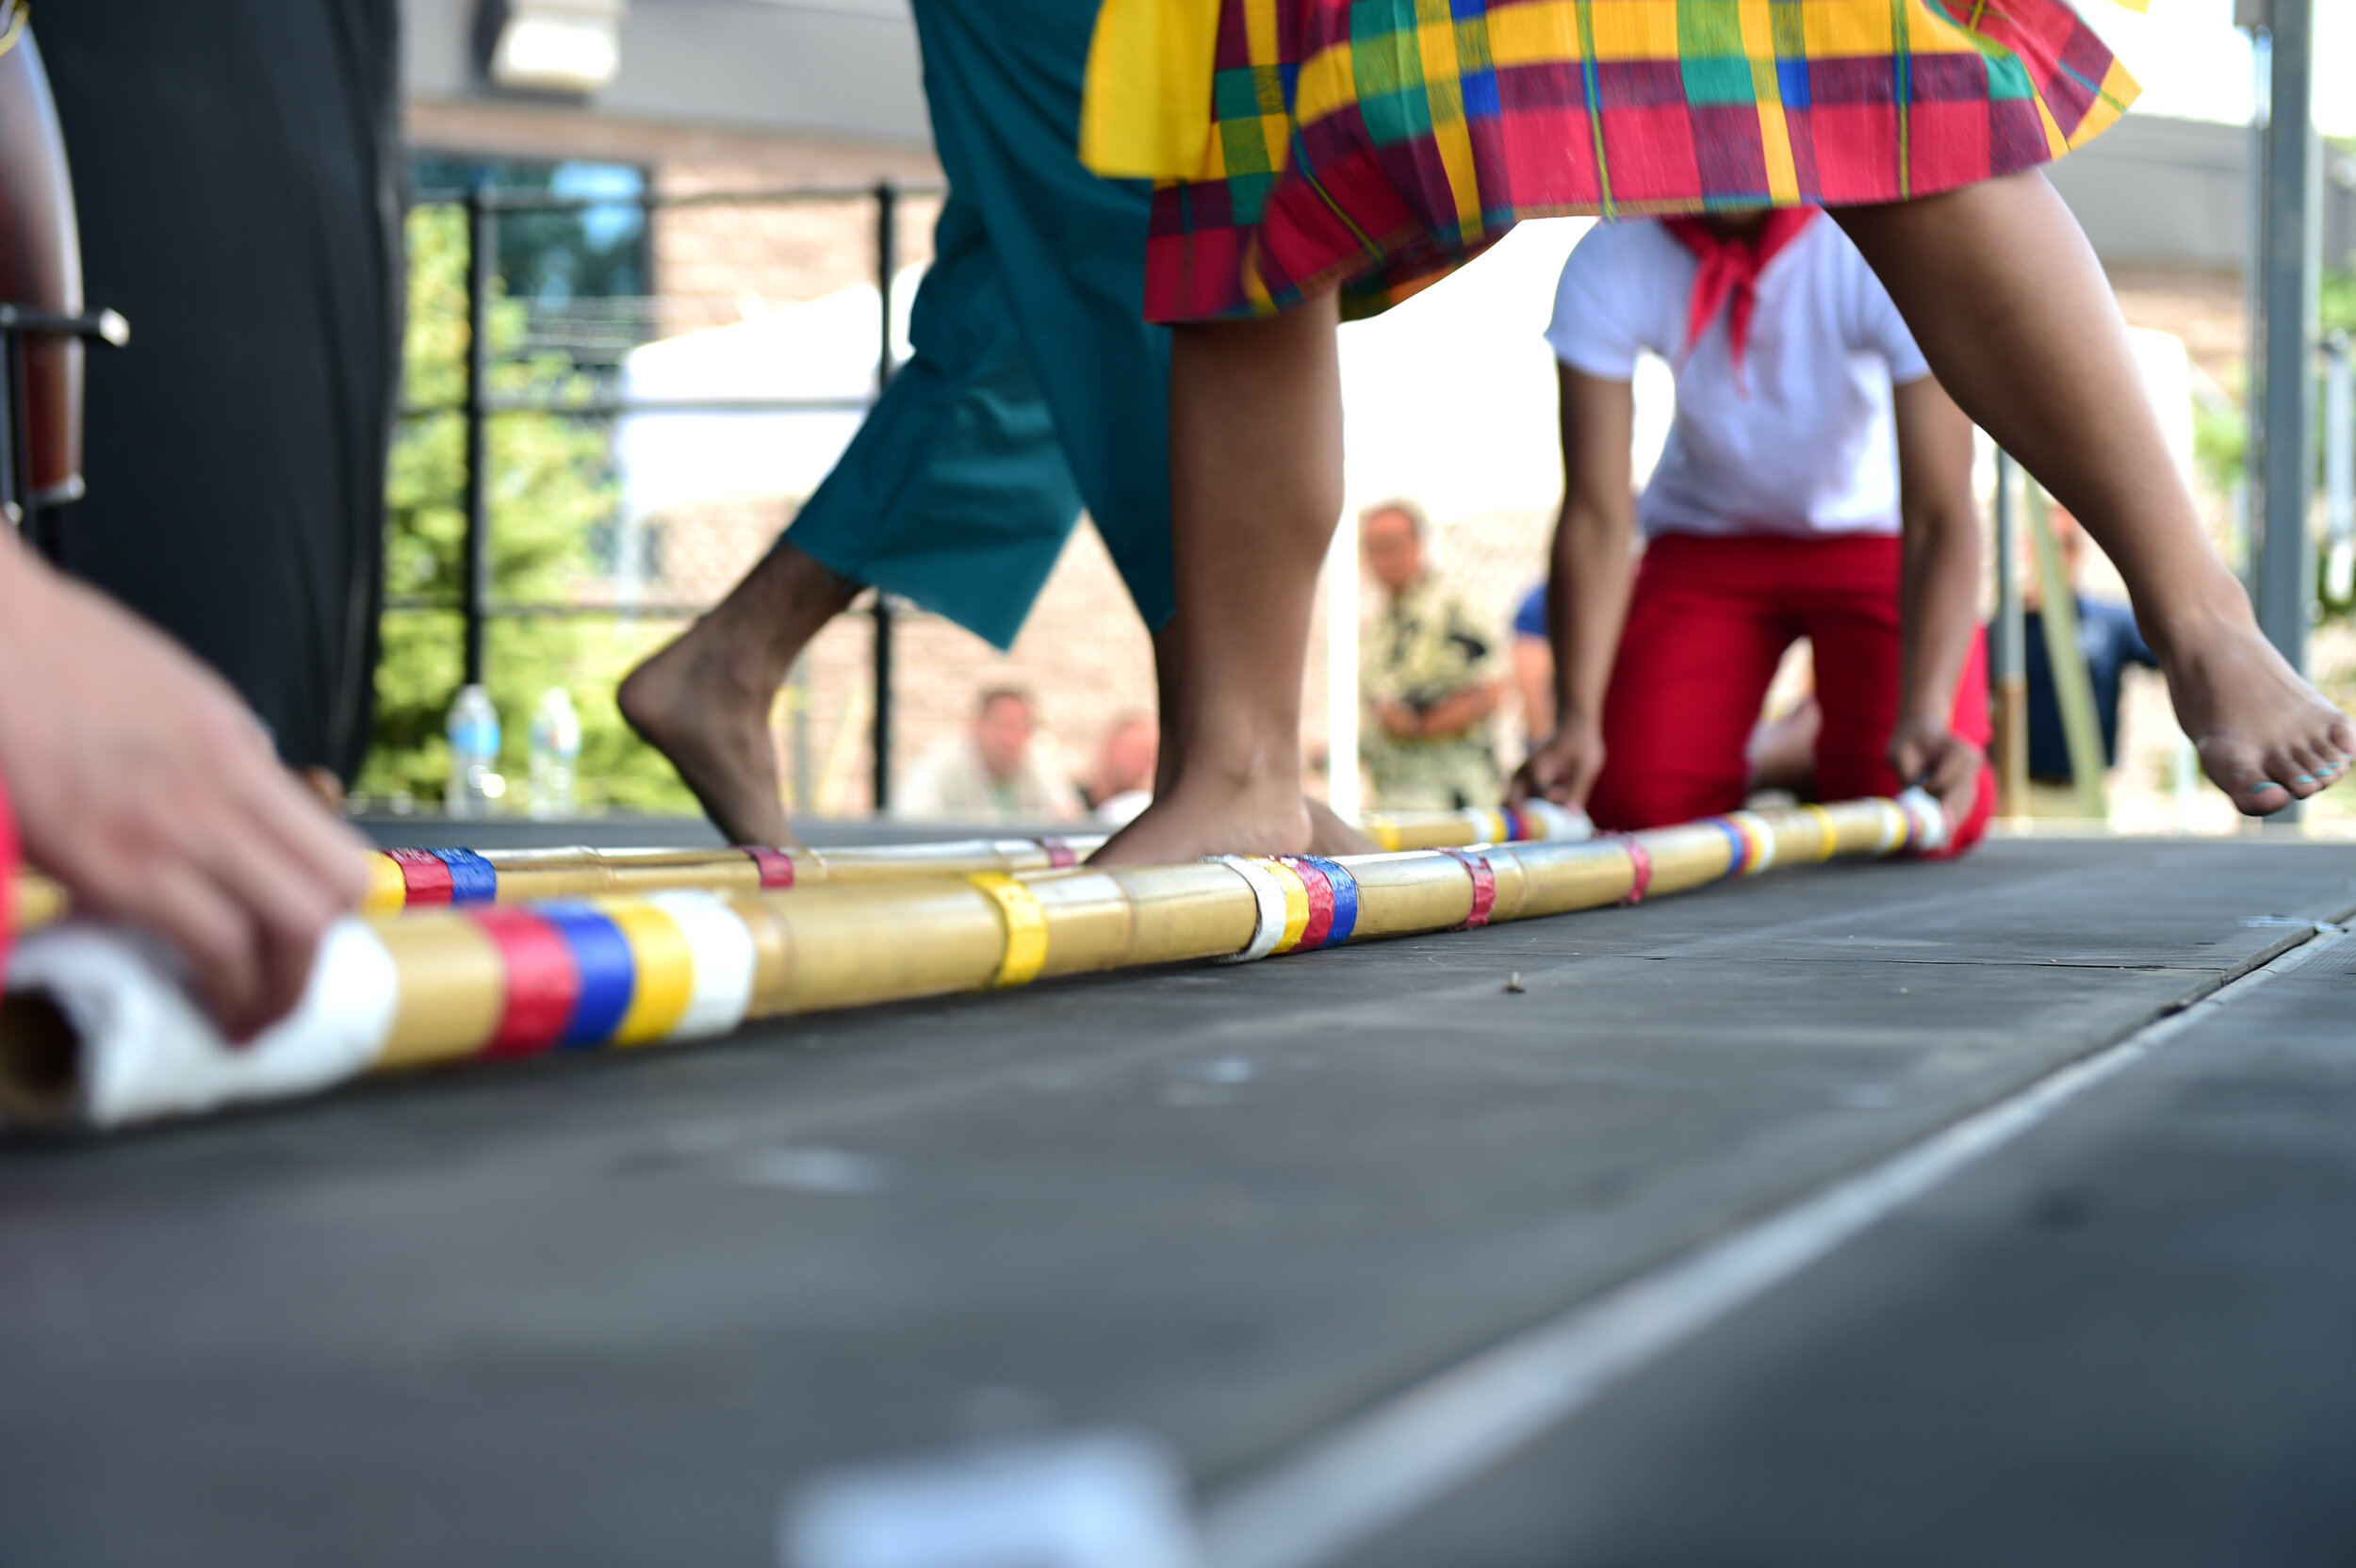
{"x": 97, "y": 1032}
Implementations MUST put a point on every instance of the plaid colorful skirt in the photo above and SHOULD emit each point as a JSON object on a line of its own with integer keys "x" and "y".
{"x": 1376, "y": 144}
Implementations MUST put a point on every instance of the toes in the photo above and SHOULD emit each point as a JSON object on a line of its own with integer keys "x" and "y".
{"x": 2331, "y": 765}
{"x": 2262, "y": 798}
{"x": 2257, "y": 789}
{"x": 2298, "y": 770}
{"x": 2342, "y": 735}
{"x": 2312, "y": 768}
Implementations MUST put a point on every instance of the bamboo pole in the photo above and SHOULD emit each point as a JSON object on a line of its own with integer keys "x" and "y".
{"x": 95, "y": 1030}
{"x": 414, "y": 880}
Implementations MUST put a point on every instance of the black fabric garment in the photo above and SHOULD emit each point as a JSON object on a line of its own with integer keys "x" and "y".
{"x": 237, "y": 167}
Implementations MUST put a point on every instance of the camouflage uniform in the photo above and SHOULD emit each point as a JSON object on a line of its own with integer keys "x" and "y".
{"x": 1430, "y": 647}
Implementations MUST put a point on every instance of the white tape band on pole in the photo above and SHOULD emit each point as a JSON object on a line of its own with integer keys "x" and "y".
{"x": 1269, "y": 895}
{"x": 147, "y": 1051}
{"x": 1928, "y": 817}
{"x": 1558, "y": 823}
{"x": 723, "y": 954}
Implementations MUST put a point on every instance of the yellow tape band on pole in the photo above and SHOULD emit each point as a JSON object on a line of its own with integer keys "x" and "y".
{"x": 1825, "y": 827}
{"x": 663, "y": 968}
{"x": 1026, "y": 928}
{"x": 1296, "y": 901}
{"x": 388, "y": 891}
{"x": 1759, "y": 835}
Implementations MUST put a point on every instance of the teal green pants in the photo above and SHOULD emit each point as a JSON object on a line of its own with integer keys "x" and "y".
{"x": 1036, "y": 386}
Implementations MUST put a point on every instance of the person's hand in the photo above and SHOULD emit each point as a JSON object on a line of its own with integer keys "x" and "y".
{"x": 1562, "y": 768}
{"x": 143, "y": 784}
{"x": 1398, "y": 720}
{"x": 1924, "y": 751}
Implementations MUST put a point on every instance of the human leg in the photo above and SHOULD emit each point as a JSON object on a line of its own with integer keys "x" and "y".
{"x": 1848, "y": 603}
{"x": 1003, "y": 83}
{"x": 2012, "y": 310}
{"x": 1697, "y": 657}
{"x": 1329, "y": 834}
{"x": 955, "y": 493}
{"x": 1782, "y": 751}
{"x": 1255, "y": 490}
{"x": 703, "y": 700}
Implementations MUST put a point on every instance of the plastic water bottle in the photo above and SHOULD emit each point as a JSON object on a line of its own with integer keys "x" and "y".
{"x": 555, "y": 754}
{"x": 474, "y": 753}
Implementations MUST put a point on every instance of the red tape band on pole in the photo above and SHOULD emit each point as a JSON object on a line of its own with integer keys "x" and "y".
{"x": 776, "y": 867}
{"x": 1060, "y": 854}
{"x": 425, "y": 874}
{"x": 1484, "y": 882}
{"x": 1640, "y": 860}
{"x": 1320, "y": 890}
{"x": 543, "y": 982}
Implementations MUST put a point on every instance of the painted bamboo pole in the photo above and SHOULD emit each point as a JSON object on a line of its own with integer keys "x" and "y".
{"x": 414, "y": 880}
{"x": 96, "y": 1030}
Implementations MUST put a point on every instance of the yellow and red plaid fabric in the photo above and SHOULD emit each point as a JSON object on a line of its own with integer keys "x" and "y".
{"x": 1377, "y": 144}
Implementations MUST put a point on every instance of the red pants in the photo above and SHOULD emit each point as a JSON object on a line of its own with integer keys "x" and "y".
{"x": 1708, "y": 622}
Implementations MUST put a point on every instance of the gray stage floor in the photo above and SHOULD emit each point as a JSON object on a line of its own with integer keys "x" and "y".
{"x": 612, "y": 1312}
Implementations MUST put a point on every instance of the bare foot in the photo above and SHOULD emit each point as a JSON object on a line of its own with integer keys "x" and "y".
{"x": 1330, "y": 835}
{"x": 688, "y": 703}
{"x": 1188, "y": 824}
{"x": 2264, "y": 736}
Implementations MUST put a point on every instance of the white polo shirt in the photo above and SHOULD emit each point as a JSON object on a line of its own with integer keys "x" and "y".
{"x": 1804, "y": 443}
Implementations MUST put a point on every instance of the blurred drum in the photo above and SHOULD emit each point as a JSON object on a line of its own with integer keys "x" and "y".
{"x": 40, "y": 264}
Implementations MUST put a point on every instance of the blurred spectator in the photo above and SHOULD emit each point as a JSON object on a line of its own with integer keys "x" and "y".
{"x": 1123, "y": 783}
{"x": 2110, "y": 641}
{"x": 1533, "y": 665}
{"x": 1430, "y": 679}
{"x": 993, "y": 771}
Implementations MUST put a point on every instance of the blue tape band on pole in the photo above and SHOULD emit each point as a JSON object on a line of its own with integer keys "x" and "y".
{"x": 609, "y": 973}
{"x": 472, "y": 879}
{"x": 1345, "y": 899}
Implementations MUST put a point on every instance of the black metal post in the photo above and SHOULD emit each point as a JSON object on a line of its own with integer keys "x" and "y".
{"x": 887, "y": 263}
{"x": 474, "y": 588}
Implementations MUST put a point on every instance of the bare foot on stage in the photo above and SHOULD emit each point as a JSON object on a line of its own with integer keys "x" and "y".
{"x": 704, "y": 701}
{"x": 1330, "y": 835}
{"x": 1187, "y": 825}
{"x": 713, "y": 728}
{"x": 2264, "y": 736}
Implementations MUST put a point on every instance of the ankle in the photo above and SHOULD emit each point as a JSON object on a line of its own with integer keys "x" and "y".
{"x": 2191, "y": 619}
{"x": 1239, "y": 763}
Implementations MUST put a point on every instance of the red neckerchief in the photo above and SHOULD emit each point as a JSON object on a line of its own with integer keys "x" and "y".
{"x": 1728, "y": 273}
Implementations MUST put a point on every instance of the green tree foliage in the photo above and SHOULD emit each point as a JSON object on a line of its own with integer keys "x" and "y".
{"x": 550, "y": 487}
{"x": 2339, "y": 301}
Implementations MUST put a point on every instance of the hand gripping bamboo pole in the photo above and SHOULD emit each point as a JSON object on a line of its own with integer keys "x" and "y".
{"x": 96, "y": 1031}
